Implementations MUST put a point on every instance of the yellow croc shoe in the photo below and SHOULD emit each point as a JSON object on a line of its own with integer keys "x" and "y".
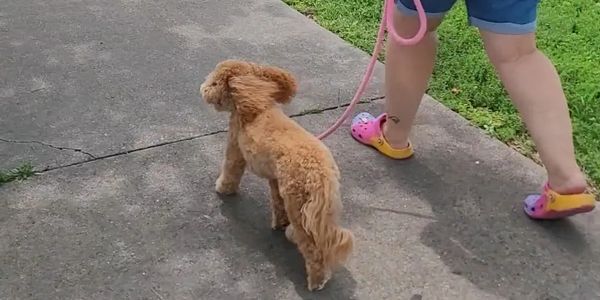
{"x": 367, "y": 130}
{"x": 552, "y": 205}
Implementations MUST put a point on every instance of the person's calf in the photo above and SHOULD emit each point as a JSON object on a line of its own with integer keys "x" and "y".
{"x": 534, "y": 87}
{"x": 408, "y": 69}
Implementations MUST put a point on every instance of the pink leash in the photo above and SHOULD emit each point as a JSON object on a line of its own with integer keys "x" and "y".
{"x": 386, "y": 21}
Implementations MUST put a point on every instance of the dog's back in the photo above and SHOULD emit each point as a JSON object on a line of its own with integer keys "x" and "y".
{"x": 290, "y": 149}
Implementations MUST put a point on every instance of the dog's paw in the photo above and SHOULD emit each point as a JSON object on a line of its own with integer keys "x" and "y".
{"x": 317, "y": 283}
{"x": 289, "y": 233}
{"x": 225, "y": 188}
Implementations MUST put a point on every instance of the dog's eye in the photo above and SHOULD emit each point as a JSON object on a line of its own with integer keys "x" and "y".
{"x": 214, "y": 84}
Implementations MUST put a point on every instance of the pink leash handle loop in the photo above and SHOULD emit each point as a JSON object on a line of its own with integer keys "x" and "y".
{"x": 389, "y": 22}
{"x": 386, "y": 21}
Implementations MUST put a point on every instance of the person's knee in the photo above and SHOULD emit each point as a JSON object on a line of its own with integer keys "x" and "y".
{"x": 503, "y": 49}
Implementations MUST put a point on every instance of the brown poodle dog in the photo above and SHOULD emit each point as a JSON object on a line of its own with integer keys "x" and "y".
{"x": 302, "y": 174}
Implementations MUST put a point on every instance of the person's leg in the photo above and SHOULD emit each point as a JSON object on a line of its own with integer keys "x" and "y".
{"x": 407, "y": 71}
{"x": 534, "y": 87}
{"x": 532, "y": 82}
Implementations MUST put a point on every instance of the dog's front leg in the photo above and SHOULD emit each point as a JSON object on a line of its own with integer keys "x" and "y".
{"x": 233, "y": 167}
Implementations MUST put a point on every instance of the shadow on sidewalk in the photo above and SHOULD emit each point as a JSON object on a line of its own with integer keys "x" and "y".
{"x": 482, "y": 234}
{"x": 249, "y": 225}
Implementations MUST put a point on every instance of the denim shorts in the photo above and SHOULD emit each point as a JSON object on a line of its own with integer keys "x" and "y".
{"x": 498, "y": 16}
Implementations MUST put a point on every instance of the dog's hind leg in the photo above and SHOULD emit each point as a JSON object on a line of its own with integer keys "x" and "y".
{"x": 318, "y": 272}
{"x": 279, "y": 219}
{"x": 233, "y": 167}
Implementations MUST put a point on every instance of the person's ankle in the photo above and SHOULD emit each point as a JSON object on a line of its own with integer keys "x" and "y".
{"x": 396, "y": 141}
{"x": 574, "y": 184}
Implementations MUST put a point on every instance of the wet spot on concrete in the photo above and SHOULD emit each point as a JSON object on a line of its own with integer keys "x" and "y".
{"x": 52, "y": 61}
{"x": 131, "y": 2}
{"x": 6, "y": 92}
{"x": 96, "y": 190}
{"x": 194, "y": 35}
{"x": 35, "y": 197}
{"x": 92, "y": 51}
{"x": 39, "y": 84}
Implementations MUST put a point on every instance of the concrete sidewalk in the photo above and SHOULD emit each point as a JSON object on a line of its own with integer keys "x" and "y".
{"x": 140, "y": 220}
{"x": 85, "y": 80}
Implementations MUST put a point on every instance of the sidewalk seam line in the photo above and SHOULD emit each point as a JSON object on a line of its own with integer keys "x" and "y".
{"x": 125, "y": 152}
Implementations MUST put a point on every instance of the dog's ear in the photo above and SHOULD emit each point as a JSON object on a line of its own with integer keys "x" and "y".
{"x": 229, "y": 69}
{"x": 251, "y": 95}
{"x": 285, "y": 81}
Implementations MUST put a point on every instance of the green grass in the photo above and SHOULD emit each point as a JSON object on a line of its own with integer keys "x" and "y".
{"x": 465, "y": 82}
{"x": 20, "y": 173}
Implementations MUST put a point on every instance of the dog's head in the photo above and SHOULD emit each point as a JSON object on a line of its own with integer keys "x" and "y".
{"x": 247, "y": 88}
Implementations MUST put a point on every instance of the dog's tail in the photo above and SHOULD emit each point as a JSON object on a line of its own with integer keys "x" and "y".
{"x": 320, "y": 220}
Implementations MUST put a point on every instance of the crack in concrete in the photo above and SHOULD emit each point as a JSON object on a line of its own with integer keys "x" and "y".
{"x": 401, "y": 212}
{"x": 317, "y": 111}
{"x": 48, "y": 145}
{"x": 125, "y": 152}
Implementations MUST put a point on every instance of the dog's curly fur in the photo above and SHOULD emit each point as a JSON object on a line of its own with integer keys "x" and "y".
{"x": 302, "y": 174}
